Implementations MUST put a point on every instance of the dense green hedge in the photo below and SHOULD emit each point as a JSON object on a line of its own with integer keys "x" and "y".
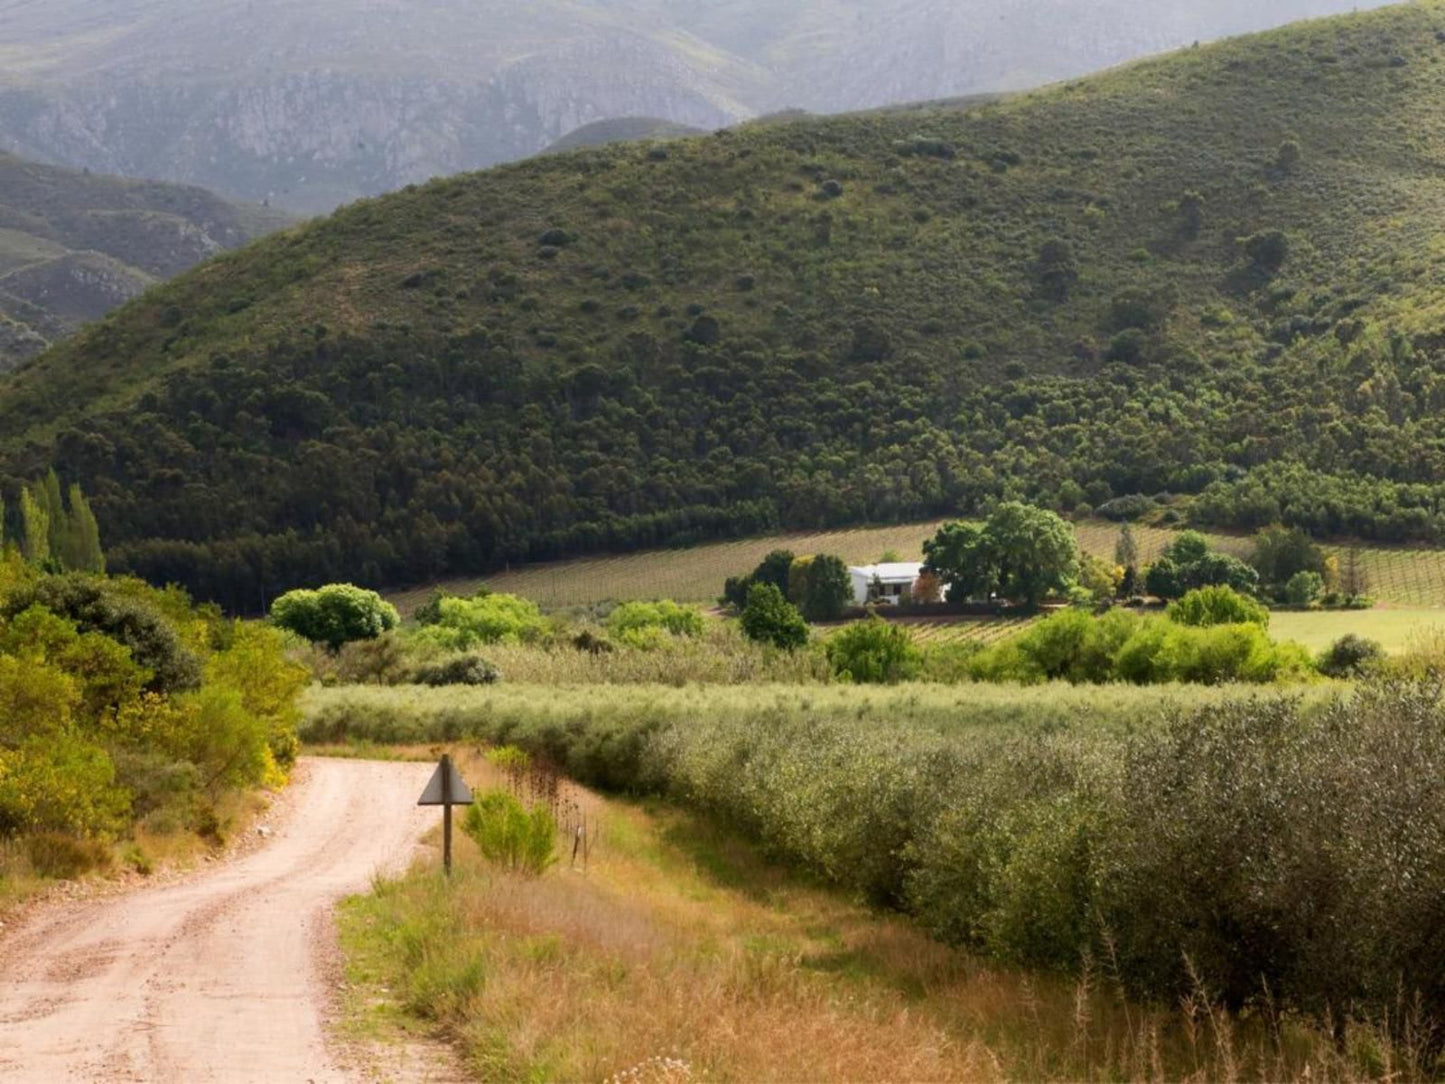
{"x": 1264, "y": 847}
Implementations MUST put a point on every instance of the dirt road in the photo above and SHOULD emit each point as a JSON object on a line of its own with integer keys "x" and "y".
{"x": 223, "y": 976}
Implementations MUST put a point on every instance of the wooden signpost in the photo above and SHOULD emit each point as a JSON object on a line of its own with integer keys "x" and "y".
{"x": 446, "y": 789}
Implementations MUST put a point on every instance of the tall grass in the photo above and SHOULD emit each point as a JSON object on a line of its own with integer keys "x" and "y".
{"x": 720, "y": 657}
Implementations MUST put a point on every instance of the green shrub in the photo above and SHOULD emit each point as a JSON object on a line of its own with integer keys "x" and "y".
{"x": 457, "y": 670}
{"x": 466, "y": 623}
{"x": 510, "y": 835}
{"x": 229, "y": 745}
{"x": 1350, "y": 656}
{"x": 1219, "y": 605}
{"x": 1304, "y": 588}
{"x": 771, "y": 619}
{"x": 95, "y": 604}
{"x": 874, "y": 652}
{"x": 1123, "y": 646}
{"x": 667, "y": 615}
{"x": 1267, "y": 250}
{"x": 60, "y": 783}
{"x": 644, "y": 638}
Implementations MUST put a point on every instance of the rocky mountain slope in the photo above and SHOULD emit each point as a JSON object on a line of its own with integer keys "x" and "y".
{"x": 311, "y": 105}
{"x": 73, "y": 246}
{"x": 1215, "y": 274}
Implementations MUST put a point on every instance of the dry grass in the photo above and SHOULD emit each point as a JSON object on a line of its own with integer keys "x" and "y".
{"x": 146, "y": 851}
{"x": 682, "y": 954}
{"x": 721, "y": 656}
{"x": 18, "y": 882}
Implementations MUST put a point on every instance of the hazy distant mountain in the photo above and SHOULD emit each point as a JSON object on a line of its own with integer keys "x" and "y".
{"x": 313, "y": 104}
{"x": 74, "y": 246}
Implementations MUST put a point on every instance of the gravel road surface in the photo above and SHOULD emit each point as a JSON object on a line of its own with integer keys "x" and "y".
{"x": 227, "y": 974}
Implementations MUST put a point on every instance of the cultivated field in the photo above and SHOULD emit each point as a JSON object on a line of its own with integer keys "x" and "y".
{"x": 1396, "y": 577}
{"x": 986, "y": 632}
{"x": 687, "y": 575}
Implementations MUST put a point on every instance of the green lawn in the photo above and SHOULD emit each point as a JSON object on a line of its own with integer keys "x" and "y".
{"x": 1395, "y": 629}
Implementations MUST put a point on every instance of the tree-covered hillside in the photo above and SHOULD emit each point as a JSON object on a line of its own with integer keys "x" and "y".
{"x": 1217, "y": 273}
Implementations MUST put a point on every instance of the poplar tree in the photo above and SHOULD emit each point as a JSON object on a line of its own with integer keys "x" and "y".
{"x": 34, "y": 525}
{"x": 82, "y": 551}
{"x": 58, "y": 521}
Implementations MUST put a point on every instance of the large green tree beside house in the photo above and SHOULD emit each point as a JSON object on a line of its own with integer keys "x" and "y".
{"x": 1021, "y": 553}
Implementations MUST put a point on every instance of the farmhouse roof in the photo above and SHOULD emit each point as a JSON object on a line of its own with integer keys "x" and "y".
{"x": 897, "y": 572}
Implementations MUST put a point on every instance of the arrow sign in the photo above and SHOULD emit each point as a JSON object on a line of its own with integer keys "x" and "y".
{"x": 446, "y": 789}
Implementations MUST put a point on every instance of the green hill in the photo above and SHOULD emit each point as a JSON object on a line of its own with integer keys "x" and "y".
{"x": 74, "y": 245}
{"x": 1217, "y": 273}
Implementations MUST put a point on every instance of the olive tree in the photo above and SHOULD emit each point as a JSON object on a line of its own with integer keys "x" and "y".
{"x": 334, "y": 615}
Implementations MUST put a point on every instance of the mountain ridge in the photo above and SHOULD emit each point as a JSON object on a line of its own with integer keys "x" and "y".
{"x": 73, "y": 245}
{"x": 311, "y": 106}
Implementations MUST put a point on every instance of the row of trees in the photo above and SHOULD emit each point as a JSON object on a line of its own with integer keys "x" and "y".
{"x": 1024, "y": 555}
{"x": 1285, "y": 566}
{"x": 55, "y": 531}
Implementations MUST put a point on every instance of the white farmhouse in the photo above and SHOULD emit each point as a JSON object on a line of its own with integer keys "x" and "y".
{"x": 884, "y": 584}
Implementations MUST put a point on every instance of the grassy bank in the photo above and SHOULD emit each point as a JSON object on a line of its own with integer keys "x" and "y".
{"x": 577, "y": 975}
{"x": 137, "y": 727}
